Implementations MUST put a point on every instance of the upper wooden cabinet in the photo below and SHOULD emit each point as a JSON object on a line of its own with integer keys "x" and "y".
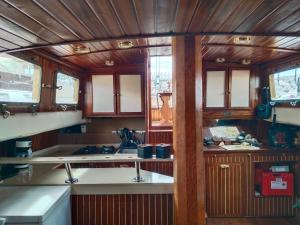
{"x": 227, "y": 88}
{"x": 114, "y": 95}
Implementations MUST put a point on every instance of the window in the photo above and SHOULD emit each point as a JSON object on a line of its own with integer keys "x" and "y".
{"x": 20, "y": 80}
{"x": 67, "y": 89}
{"x": 161, "y": 91}
{"x": 285, "y": 86}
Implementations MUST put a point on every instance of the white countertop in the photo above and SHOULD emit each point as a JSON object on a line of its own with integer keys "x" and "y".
{"x": 97, "y": 180}
{"x": 32, "y": 203}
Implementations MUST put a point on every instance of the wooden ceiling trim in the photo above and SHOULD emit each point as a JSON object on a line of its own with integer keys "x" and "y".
{"x": 254, "y": 46}
{"x": 118, "y": 49}
{"x": 259, "y": 14}
{"x": 15, "y": 16}
{"x": 68, "y": 20}
{"x": 37, "y": 14}
{"x": 79, "y": 9}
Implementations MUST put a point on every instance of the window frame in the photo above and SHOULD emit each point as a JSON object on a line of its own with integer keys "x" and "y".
{"x": 20, "y": 106}
{"x": 59, "y": 105}
{"x": 283, "y": 103}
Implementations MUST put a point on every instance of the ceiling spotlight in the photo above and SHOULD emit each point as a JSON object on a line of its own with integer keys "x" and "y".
{"x": 246, "y": 61}
{"x": 80, "y": 49}
{"x": 220, "y": 60}
{"x": 109, "y": 62}
{"x": 242, "y": 40}
{"x": 125, "y": 44}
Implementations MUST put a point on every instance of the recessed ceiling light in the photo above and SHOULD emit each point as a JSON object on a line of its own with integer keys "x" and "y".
{"x": 246, "y": 61}
{"x": 220, "y": 60}
{"x": 80, "y": 49}
{"x": 243, "y": 40}
{"x": 125, "y": 44}
{"x": 109, "y": 62}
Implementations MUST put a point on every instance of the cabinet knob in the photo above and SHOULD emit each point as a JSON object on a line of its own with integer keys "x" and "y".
{"x": 224, "y": 166}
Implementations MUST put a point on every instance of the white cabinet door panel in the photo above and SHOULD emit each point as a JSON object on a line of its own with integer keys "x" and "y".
{"x": 103, "y": 94}
{"x": 130, "y": 93}
{"x": 240, "y": 88}
{"x": 215, "y": 88}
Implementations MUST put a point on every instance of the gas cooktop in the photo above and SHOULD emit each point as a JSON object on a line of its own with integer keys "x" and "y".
{"x": 89, "y": 150}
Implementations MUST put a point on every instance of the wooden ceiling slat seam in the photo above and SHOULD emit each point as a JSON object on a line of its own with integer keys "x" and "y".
{"x": 24, "y": 28}
{"x": 174, "y": 16}
{"x": 16, "y": 36}
{"x": 155, "y": 9}
{"x": 77, "y": 18}
{"x": 242, "y": 21}
{"x": 292, "y": 25}
{"x": 33, "y": 19}
{"x": 193, "y": 16}
{"x": 230, "y": 15}
{"x": 268, "y": 14}
{"x": 118, "y": 19}
{"x": 133, "y": 5}
{"x": 9, "y": 42}
{"x": 107, "y": 30}
{"x": 56, "y": 19}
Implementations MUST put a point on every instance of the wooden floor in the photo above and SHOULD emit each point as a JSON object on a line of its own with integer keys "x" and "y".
{"x": 252, "y": 221}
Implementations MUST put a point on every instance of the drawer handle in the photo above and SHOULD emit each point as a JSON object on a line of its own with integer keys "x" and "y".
{"x": 224, "y": 166}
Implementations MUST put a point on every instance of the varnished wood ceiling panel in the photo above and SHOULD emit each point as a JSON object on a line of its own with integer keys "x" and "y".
{"x": 41, "y": 22}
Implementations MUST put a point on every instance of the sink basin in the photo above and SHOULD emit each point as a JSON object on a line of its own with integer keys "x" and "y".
{"x": 127, "y": 151}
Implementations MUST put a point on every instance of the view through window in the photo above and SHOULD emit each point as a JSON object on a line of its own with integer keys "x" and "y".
{"x": 285, "y": 86}
{"x": 161, "y": 90}
{"x": 20, "y": 80}
{"x": 67, "y": 89}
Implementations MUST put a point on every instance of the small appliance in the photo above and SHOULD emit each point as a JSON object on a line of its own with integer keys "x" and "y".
{"x": 23, "y": 150}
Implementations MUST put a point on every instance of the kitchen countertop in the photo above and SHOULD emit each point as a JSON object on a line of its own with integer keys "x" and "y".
{"x": 262, "y": 149}
{"x": 96, "y": 180}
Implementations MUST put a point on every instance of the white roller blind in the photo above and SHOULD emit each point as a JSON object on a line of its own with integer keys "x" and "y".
{"x": 215, "y": 88}
{"x": 240, "y": 88}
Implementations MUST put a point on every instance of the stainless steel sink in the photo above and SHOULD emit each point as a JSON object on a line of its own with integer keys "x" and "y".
{"x": 127, "y": 151}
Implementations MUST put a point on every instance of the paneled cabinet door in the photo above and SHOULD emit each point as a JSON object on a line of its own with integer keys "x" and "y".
{"x": 130, "y": 94}
{"x": 103, "y": 94}
{"x": 239, "y": 88}
{"x": 215, "y": 89}
{"x": 225, "y": 189}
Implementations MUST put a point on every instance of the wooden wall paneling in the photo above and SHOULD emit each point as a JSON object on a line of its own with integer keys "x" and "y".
{"x": 44, "y": 140}
{"x": 189, "y": 169}
{"x": 160, "y": 136}
{"x": 131, "y": 209}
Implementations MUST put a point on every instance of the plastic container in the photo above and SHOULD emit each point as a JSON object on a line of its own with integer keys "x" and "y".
{"x": 145, "y": 151}
{"x": 163, "y": 151}
{"x": 277, "y": 184}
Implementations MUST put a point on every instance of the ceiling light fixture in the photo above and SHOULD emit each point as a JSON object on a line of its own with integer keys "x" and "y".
{"x": 246, "y": 61}
{"x": 220, "y": 60}
{"x": 125, "y": 44}
{"x": 109, "y": 62}
{"x": 242, "y": 40}
{"x": 80, "y": 49}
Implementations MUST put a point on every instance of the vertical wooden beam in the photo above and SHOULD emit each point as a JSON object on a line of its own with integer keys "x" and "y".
{"x": 189, "y": 174}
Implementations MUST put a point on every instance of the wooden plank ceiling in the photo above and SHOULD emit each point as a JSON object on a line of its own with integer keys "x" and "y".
{"x": 98, "y": 23}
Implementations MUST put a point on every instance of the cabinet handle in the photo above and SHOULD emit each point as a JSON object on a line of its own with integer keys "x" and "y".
{"x": 224, "y": 166}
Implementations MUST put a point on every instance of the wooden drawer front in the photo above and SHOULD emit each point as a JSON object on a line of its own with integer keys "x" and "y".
{"x": 225, "y": 185}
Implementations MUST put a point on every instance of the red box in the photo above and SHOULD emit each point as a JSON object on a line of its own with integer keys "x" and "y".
{"x": 277, "y": 184}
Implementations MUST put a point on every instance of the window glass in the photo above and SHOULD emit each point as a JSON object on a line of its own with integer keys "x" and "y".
{"x": 161, "y": 90}
{"x": 20, "y": 80}
{"x": 67, "y": 89}
{"x": 285, "y": 85}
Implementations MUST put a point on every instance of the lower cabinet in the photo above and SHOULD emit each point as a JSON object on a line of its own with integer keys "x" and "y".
{"x": 230, "y": 188}
{"x": 225, "y": 184}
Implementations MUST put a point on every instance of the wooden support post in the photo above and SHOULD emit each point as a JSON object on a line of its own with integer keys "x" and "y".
{"x": 189, "y": 174}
